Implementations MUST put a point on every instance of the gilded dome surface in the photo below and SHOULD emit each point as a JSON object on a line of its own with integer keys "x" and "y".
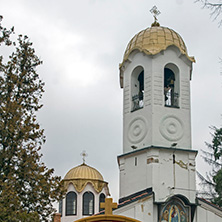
{"x": 155, "y": 39}
{"x": 83, "y": 174}
{"x": 83, "y": 171}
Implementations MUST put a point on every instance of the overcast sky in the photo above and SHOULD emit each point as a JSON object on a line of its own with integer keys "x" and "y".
{"x": 81, "y": 44}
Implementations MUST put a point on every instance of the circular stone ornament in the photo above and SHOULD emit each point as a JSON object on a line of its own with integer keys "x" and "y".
{"x": 137, "y": 130}
{"x": 171, "y": 128}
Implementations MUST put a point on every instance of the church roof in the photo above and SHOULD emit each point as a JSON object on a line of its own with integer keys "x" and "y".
{"x": 135, "y": 197}
{"x": 132, "y": 198}
{"x": 199, "y": 199}
{"x": 153, "y": 40}
{"x": 83, "y": 171}
{"x": 83, "y": 174}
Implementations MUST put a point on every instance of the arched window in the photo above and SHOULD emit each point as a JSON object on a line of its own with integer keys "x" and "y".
{"x": 102, "y": 198}
{"x": 60, "y": 206}
{"x": 137, "y": 88}
{"x": 171, "y": 85}
{"x": 88, "y": 203}
{"x": 71, "y": 203}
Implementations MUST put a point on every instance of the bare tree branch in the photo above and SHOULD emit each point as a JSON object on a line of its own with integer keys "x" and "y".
{"x": 215, "y": 8}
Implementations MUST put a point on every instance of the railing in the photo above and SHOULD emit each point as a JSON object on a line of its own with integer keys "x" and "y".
{"x": 137, "y": 102}
{"x": 172, "y": 99}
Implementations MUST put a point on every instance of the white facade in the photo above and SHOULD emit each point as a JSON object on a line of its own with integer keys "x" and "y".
{"x": 156, "y": 124}
{"x": 145, "y": 210}
{"x": 168, "y": 171}
{"x": 207, "y": 213}
{"x": 79, "y": 207}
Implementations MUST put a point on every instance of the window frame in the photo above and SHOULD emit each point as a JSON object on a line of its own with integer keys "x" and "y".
{"x": 101, "y": 201}
{"x": 74, "y": 203}
{"x": 86, "y": 212}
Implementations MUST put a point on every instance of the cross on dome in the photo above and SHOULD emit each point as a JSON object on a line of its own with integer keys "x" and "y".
{"x": 84, "y": 155}
{"x": 155, "y": 12}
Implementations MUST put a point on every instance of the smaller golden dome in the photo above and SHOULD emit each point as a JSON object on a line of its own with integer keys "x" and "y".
{"x": 83, "y": 174}
{"x": 84, "y": 171}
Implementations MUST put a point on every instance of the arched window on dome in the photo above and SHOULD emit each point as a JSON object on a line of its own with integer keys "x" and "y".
{"x": 88, "y": 203}
{"x": 102, "y": 198}
{"x": 71, "y": 203}
{"x": 137, "y": 88}
{"x": 171, "y": 85}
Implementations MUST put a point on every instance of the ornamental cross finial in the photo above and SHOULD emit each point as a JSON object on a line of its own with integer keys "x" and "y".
{"x": 155, "y": 12}
{"x": 84, "y": 155}
{"x": 109, "y": 206}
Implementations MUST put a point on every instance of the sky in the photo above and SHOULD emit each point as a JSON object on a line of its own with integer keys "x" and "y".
{"x": 81, "y": 44}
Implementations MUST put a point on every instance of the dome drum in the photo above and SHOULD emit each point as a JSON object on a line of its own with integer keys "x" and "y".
{"x": 80, "y": 184}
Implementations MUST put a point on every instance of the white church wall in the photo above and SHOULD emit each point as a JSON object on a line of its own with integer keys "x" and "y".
{"x": 142, "y": 210}
{"x": 156, "y": 168}
{"x": 162, "y": 179}
{"x": 141, "y": 116}
{"x": 69, "y": 218}
{"x": 131, "y": 173}
{"x": 207, "y": 213}
{"x": 161, "y": 125}
{"x": 145, "y": 210}
{"x": 88, "y": 188}
{"x": 174, "y": 178}
{"x": 171, "y": 124}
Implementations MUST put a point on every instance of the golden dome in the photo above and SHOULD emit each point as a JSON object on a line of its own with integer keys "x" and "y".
{"x": 155, "y": 39}
{"x": 83, "y": 171}
{"x": 83, "y": 174}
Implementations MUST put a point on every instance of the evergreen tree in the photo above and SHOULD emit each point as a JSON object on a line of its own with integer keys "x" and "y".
{"x": 212, "y": 183}
{"x": 27, "y": 187}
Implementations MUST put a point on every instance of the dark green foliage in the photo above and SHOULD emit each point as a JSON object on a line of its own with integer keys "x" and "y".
{"x": 212, "y": 183}
{"x": 218, "y": 188}
{"x": 27, "y": 186}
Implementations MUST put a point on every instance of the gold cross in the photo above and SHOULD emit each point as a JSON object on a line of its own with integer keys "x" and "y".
{"x": 108, "y": 205}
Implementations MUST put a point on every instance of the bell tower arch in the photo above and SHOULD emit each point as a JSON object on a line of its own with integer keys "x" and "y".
{"x": 171, "y": 85}
{"x": 137, "y": 88}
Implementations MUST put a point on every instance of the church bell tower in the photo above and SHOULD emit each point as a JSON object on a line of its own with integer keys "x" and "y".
{"x": 155, "y": 77}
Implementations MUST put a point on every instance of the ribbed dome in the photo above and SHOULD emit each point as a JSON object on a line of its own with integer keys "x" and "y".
{"x": 83, "y": 174}
{"x": 83, "y": 171}
{"x": 155, "y": 39}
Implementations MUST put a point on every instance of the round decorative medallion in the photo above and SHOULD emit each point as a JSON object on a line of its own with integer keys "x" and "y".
{"x": 171, "y": 128}
{"x": 137, "y": 130}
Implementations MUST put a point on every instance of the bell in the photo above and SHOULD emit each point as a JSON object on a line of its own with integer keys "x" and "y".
{"x": 171, "y": 83}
